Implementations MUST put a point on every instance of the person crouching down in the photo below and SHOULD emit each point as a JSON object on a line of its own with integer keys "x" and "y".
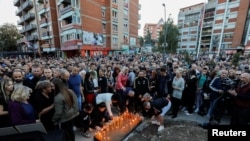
{"x": 156, "y": 109}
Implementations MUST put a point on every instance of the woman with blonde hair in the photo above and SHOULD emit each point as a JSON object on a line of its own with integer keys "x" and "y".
{"x": 178, "y": 86}
{"x": 7, "y": 87}
{"x": 66, "y": 109}
{"x": 20, "y": 110}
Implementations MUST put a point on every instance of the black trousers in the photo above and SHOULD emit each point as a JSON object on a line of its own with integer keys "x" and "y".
{"x": 68, "y": 130}
{"x": 175, "y": 105}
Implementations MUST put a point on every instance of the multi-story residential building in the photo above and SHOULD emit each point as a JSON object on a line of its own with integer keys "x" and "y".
{"x": 97, "y": 27}
{"x": 89, "y": 28}
{"x": 27, "y": 13}
{"x": 153, "y": 29}
{"x": 189, "y": 22}
{"x": 48, "y": 26}
{"x": 219, "y": 26}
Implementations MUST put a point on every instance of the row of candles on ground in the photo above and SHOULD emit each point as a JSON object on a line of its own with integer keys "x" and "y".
{"x": 123, "y": 123}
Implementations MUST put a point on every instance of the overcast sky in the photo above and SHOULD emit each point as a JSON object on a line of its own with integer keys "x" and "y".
{"x": 151, "y": 10}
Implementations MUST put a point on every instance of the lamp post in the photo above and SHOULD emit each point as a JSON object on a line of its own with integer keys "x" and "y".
{"x": 164, "y": 46}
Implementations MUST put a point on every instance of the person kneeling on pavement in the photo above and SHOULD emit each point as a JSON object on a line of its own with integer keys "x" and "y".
{"x": 85, "y": 119}
{"x": 155, "y": 109}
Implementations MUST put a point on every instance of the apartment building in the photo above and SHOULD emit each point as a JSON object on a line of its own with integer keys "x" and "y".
{"x": 217, "y": 27}
{"x": 153, "y": 29}
{"x": 97, "y": 27}
{"x": 84, "y": 27}
{"x": 189, "y": 24}
{"x": 26, "y": 10}
{"x": 49, "y": 40}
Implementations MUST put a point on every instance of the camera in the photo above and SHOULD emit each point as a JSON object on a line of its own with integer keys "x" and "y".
{"x": 228, "y": 84}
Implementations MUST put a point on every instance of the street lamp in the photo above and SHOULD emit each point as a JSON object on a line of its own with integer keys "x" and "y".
{"x": 165, "y": 31}
{"x": 163, "y": 53}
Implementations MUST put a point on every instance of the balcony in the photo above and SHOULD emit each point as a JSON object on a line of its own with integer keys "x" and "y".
{"x": 29, "y": 17}
{"x": 19, "y": 11}
{"x": 114, "y": 5}
{"x": 71, "y": 26}
{"x": 44, "y": 22}
{"x": 32, "y": 38}
{"x": 20, "y": 22}
{"x": 30, "y": 27}
{"x": 41, "y": 9}
{"x": 16, "y": 2}
{"x": 66, "y": 10}
{"x": 59, "y": 2}
{"x": 27, "y": 5}
{"x": 21, "y": 31}
{"x": 46, "y": 35}
{"x": 114, "y": 19}
{"x": 40, "y": 1}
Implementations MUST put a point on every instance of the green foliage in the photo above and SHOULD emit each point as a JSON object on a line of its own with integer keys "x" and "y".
{"x": 8, "y": 37}
{"x": 171, "y": 37}
{"x": 141, "y": 41}
{"x": 187, "y": 57}
{"x": 235, "y": 59}
{"x": 148, "y": 38}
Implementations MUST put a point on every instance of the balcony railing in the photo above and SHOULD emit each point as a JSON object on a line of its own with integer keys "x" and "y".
{"x": 30, "y": 27}
{"x": 66, "y": 9}
{"x": 21, "y": 21}
{"x": 19, "y": 11}
{"x": 21, "y": 31}
{"x": 41, "y": 7}
{"x": 43, "y": 20}
{"x": 40, "y": 1}
{"x": 27, "y": 5}
{"x": 29, "y": 16}
{"x": 16, "y": 2}
{"x": 32, "y": 38}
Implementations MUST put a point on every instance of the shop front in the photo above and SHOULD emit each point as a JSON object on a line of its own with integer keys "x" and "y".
{"x": 92, "y": 51}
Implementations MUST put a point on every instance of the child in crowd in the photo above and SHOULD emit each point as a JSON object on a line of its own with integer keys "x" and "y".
{"x": 86, "y": 119}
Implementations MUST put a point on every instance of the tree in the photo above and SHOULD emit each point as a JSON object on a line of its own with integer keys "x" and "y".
{"x": 8, "y": 37}
{"x": 171, "y": 37}
{"x": 147, "y": 38}
{"x": 141, "y": 41}
{"x": 236, "y": 59}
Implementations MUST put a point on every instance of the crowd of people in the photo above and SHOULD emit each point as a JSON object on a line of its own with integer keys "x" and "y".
{"x": 81, "y": 92}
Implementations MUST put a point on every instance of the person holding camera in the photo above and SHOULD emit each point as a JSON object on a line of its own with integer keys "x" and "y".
{"x": 218, "y": 91}
{"x": 241, "y": 103}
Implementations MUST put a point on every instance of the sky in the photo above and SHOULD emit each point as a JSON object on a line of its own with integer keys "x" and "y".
{"x": 151, "y": 10}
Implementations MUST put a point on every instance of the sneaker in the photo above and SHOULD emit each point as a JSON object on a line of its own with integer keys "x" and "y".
{"x": 196, "y": 110}
{"x": 160, "y": 128}
{"x": 155, "y": 122}
{"x": 188, "y": 114}
{"x": 86, "y": 135}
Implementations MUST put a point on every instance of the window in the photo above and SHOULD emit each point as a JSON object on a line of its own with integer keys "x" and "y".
{"x": 103, "y": 26}
{"x": 115, "y": 27}
{"x": 103, "y": 12}
{"x": 114, "y": 13}
{"x": 115, "y": 40}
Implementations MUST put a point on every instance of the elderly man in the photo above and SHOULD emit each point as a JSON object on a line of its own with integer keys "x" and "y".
{"x": 241, "y": 108}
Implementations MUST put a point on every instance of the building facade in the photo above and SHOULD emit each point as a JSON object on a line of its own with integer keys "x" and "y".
{"x": 26, "y": 10}
{"x": 217, "y": 27}
{"x": 83, "y": 27}
{"x": 153, "y": 29}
